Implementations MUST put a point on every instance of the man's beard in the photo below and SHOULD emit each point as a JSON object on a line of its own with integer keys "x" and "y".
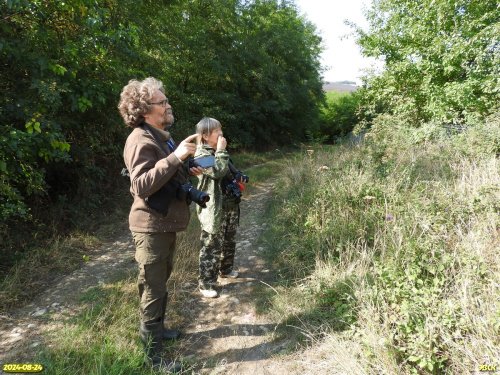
{"x": 168, "y": 120}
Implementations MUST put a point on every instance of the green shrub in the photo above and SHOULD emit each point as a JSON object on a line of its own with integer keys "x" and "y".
{"x": 338, "y": 115}
{"x": 64, "y": 64}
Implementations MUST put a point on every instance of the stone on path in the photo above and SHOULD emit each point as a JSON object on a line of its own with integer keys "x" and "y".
{"x": 39, "y": 312}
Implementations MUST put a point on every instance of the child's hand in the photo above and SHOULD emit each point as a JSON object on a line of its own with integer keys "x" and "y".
{"x": 240, "y": 177}
{"x": 221, "y": 143}
{"x": 195, "y": 171}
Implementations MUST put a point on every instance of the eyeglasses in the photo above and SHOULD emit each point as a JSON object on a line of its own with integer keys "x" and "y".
{"x": 163, "y": 103}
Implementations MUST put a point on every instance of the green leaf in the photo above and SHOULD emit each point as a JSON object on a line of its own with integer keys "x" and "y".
{"x": 413, "y": 358}
{"x": 59, "y": 145}
{"x": 84, "y": 103}
{"x": 58, "y": 69}
{"x": 29, "y": 127}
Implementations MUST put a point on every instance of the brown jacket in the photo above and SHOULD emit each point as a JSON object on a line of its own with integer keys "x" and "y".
{"x": 150, "y": 167}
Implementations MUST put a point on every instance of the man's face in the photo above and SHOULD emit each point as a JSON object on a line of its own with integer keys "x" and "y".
{"x": 160, "y": 116}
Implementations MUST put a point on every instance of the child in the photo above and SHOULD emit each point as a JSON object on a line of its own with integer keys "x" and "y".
{"x": 220, "y": 219}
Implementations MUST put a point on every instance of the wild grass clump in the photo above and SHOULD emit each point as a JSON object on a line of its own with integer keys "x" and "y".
{"x": 46, "y": 256}
{"x": 31, "y": 274}
{"x": 101, "y": 339}
{"x": 395, "y": 241}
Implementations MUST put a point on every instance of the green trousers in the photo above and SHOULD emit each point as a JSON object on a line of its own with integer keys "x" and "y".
{"x": 154, "y": 253}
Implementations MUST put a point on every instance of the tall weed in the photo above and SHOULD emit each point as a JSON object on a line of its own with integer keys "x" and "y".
{"x": 408, "y": 222}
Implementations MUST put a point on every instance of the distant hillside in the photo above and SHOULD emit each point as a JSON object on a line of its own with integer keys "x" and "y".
{"x": 341, "y": 86}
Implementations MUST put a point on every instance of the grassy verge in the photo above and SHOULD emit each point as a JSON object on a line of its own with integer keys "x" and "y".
{"x": 100, "y": 339}
{"x": 394, "y": 254}
{"x": 59, "y": 255}
{"x": 245, "y": 159}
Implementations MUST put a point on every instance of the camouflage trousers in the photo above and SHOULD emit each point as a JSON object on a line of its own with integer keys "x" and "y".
{"x": 217, "y": 251}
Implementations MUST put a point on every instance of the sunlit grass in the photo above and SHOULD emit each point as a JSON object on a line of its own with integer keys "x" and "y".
{"x": 398, "y": 255}
{"x": 61, "y": 254}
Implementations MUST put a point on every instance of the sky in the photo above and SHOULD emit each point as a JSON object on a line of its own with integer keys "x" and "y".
{"x": 341, "y": 57}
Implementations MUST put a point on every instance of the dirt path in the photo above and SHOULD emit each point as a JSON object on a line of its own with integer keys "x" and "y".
{"x": 21, "y": 330}
{"x": 224, "y": 335}
{"x": 227, "y": 336}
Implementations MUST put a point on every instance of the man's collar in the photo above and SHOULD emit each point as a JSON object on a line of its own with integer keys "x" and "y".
{"x": 162, "y": 134}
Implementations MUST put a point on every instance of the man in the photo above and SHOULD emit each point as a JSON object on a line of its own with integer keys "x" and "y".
{"x": 155, "y": 166}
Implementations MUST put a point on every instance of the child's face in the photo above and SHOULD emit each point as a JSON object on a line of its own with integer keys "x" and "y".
{"x": 211, "y": 139}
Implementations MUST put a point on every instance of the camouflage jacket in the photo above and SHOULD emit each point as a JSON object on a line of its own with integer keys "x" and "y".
{"x": 211, "y": 183}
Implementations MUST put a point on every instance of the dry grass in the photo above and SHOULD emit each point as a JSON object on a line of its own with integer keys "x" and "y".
{"x": 415, "y": 237}
{"x": 33, "y": 273}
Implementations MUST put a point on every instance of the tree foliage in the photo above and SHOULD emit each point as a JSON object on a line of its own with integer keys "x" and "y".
{"x": 252, "y": 64}
{"x": 339, "y": 114}
{"x": 437, "y": 100}
{"x": 441, "y": 59}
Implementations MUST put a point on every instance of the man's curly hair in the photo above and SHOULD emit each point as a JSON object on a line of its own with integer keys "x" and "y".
{"x": 135, "y": 98}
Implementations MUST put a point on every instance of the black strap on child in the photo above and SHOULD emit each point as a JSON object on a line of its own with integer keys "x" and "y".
{"x": 232, "y": 168}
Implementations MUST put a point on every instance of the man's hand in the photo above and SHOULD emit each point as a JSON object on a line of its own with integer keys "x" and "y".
{"x": 221, "y": 143}
{"x": 195, "y": 171}
{"x": 186, "y": 148}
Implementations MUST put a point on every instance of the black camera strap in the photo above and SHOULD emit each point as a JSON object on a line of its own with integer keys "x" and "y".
{"x": 232, "y": 168}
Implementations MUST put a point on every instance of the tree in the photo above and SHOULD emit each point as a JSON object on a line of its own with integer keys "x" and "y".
{"x": 441, "y": 59}
{"x": 251, "y": 64}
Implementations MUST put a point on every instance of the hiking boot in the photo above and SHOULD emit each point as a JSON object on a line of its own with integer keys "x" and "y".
{"x": 151, "y": 336}
{"x": 208, "y": 293}
{"x": 171, "y": 334}
{"x": 231, "y": 275}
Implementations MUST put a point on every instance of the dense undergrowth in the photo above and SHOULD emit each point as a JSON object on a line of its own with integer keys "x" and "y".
{"x": 393, "y": 245}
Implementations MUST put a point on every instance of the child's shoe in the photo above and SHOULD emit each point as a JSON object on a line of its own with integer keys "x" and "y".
{"x": 208, "y": 293}
{"x": 232, "y": 275}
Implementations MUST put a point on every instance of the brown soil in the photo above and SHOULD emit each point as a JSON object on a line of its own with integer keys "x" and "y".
{"x": 226, "y": 334}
